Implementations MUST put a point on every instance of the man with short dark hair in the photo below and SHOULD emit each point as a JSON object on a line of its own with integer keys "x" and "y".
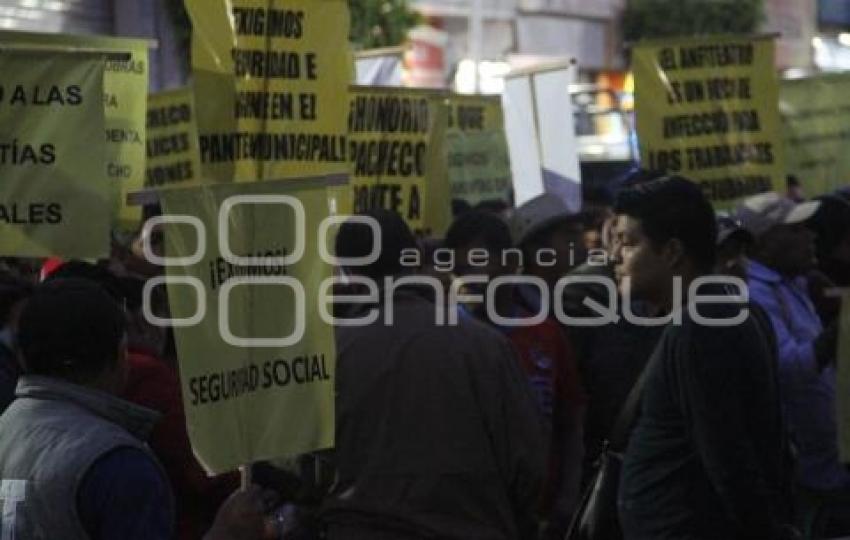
{"x": 436, "y": 433}
{"x": 73, "y": 462}
{"x": 72, "y": 453}
{"x": 706, "y": 459}
{"x": 153, "y": 384}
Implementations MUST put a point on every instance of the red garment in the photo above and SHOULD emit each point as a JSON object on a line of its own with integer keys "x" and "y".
{"x": 550, "y": 364}
{"x": 50, "y": 265}
{"x": 153, "y": 384}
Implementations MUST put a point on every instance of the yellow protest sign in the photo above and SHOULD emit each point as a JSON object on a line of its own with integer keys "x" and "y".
{"x": 816, "y": 124}
{"x": 397, "y": 155}
{"x": 54, "y": 194}
{"x": 479, "y": 167}
{"x": 843, "y": 378}
{"x": 125, "y": 101}
{"x": 257, "y": 362}
{"x": 271, "y": 81}
{"x": 126, "y": 106}
{"x": 707, "y": 109}
{"x": 173, "y": 157}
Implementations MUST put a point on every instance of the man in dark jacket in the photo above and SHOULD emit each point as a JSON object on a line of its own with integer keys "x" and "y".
{"x": 705, "y": 460}
{"x": 436, "y": 433}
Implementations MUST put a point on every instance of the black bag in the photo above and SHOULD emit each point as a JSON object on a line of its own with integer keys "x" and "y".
{"x": 596, "y": 518}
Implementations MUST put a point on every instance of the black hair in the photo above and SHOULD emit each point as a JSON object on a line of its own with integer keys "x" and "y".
{"x": 635, "y": 177}
{"x": 831, "y": 223}
{"x": 674, "y": 207}
{"x": 479, "y": 225}
{"x": 427, "y": 247}
{"x": 70, "y": 329}
{"x": 593, "y": 219}
{"x": 496, "y": 206}
{"x": 459, "y": 207}
{"x": 600, "y": 195}
{"x": 127, "y": 291}
{"x": 356, "y": 240}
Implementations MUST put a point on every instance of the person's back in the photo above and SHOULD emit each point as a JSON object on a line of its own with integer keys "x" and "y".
{"x": 73, "y": 463}
{"x": 153, "y": 384}
{"x": 54, "y": 437}
{"x": 436, "y": 431}
{"x": 437, "y": 435}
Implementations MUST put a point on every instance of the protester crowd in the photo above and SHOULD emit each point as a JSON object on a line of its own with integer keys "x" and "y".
{"x": 483, "y": 429}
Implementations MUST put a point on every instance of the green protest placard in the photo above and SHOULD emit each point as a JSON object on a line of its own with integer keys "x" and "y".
{"x": 54, "y": 194}
{"x": 816, "y": 124}
{"x": 478, "y": 164}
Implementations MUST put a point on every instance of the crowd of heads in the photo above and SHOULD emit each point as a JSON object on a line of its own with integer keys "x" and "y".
{"x": 74, "y": 320}
{"x": 657, "y": 227}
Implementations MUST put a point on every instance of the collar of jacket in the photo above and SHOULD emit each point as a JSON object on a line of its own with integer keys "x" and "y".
{"x": 139, "y": 421}
{"x": 756, "y": 270}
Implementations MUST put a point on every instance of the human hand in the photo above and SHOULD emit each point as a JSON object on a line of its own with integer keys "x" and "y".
{"x": 243, "y": 516}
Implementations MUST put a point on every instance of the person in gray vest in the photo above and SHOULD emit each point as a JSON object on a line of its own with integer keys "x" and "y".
{"x": 73, "y": 462}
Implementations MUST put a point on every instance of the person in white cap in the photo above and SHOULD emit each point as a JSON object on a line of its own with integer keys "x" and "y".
{"x": 783, "y": 253}
{"x": 732, "y": 244}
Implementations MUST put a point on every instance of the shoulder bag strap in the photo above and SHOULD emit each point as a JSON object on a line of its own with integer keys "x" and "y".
{"x": 620, "y": 434}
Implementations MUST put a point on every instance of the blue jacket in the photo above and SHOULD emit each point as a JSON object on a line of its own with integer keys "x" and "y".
{"x": 808, "y": 395}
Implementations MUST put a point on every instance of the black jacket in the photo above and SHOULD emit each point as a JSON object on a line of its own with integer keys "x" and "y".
{"x": 707, "y": 458}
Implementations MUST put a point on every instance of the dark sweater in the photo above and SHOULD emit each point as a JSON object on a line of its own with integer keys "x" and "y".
{"x": 706, "y": 459}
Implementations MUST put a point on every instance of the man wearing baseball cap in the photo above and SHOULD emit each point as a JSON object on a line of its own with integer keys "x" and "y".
{"x": 782, "y": 255}
{"x": 733, "y": 242}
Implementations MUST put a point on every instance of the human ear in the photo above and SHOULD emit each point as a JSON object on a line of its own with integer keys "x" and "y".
{"x": 674, "y": 253}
